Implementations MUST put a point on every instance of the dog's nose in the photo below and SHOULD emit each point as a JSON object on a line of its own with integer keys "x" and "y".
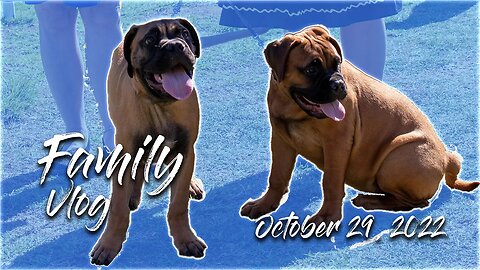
{"x": 174, "y": 46}
{"x": 338, "y": 87}
{"x": 180, "y": 46}
{"x": 336, "y": 84}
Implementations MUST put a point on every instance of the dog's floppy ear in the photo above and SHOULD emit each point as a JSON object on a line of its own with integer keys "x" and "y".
{"x": 337, "y": 46}
{"x": 127, "y": 50}
{"x": 276, "y": 53}
{"x": 193, "y": 34}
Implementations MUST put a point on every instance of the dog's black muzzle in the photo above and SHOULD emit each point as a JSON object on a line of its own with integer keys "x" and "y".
{"x": 325, "y": 89}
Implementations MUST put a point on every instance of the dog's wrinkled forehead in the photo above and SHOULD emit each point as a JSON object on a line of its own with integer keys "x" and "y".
{"x": 316, "y": 42}
{"x": 313, "y": 42}
{"x": 163, "y": 29}
{"x": 141, "y": 41}
{"x": 166, "y": 28}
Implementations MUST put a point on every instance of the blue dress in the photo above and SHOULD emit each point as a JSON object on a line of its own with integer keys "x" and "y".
{"x": 294, "y": 15}
{"x": 77, "y": 4}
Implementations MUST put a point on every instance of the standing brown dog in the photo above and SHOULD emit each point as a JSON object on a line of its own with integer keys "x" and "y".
{"x": 359, "y": 131}
{"x": 151, "y": 92}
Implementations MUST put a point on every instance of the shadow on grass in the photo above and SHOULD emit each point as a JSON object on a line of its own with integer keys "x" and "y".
{"x": 18, "y": 193}
{"x": 432, "y": 12}
{"x": 230, "y": 238}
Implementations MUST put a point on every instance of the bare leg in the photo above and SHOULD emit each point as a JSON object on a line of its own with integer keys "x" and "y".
{"x": 61, "y": 61}
{"x": 102, "y": 35}
{"x": 364, "y": 45}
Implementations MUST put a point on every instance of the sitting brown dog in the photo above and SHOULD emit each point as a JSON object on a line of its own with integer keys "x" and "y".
{"x": 358, "y": 130}
{"x": 151, "y": 92}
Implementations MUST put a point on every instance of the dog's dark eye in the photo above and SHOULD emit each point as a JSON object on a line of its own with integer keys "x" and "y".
{"x": 313, "y": 68}
{"x": 311, "y": 71}
{"x": 149, "y": 40}
{"x": 337, "y": 61}
{"x": 185, "y": 34}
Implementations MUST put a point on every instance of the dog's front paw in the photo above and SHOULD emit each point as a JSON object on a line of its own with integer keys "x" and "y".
{"x": 326, "y": 216}
{"x": 188, "y": 244}
{"x": 197, "y": 190}
{"x": 106, "y": 249}
{"x": 259, "y": 207}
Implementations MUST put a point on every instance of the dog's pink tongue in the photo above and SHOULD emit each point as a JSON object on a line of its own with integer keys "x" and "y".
{"x": 177, "y": 83}
{"x": 334, "y": 110}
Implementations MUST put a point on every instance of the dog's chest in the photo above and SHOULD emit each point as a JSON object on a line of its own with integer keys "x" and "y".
{"x": 305, "y": 139}
{"x": 176, "y": 136}
{"x": 177, "y": 132}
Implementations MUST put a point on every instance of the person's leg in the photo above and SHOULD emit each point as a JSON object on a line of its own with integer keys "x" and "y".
{"x": 61, "y": 61}
{"x": 364, "y": 45}
{"x": 102, "y": 35}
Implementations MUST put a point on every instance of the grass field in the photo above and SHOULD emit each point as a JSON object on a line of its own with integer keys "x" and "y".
{"x": 432, "y": 56}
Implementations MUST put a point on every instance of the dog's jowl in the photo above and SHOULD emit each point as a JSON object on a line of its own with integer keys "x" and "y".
{"x": 151, "y": 92}
{"x": 359, "y": 131}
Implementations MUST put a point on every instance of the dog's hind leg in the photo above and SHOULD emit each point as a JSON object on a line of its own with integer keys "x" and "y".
{"x": 386, "y": 202}
{"x": 136, "y": 195}
{"x": 409, "y": 176}
{"x": 197, "y": 191}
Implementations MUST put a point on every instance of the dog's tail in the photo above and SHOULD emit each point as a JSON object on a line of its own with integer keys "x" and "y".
{"x": 454, "y": 165}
